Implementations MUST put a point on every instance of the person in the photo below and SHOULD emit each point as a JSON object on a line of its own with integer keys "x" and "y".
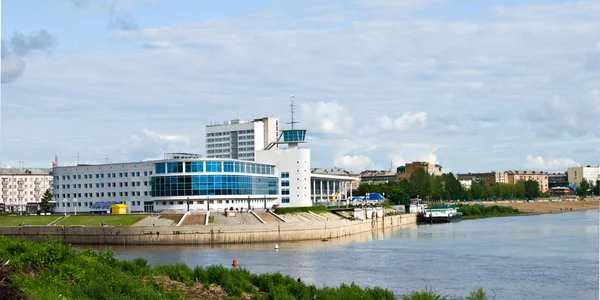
{"x": 299, "y": 280}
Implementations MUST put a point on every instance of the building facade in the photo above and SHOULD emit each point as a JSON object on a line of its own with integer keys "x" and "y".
{"x": 577, "y": 174}
{"x": 404, "y": 172}
{"x": 172, "y": 184}
{"x": 22, "y": 189}
{"x": 558, "y": 180}
{"x": 539, "y": 176}
{"x": 488, "y": 177}
{"x": 375, "y": 176}
{"x": 237, "y": 139}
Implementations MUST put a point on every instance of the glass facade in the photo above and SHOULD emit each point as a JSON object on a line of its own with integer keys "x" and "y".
{"x": 213, "y": 167}
{"x": 296, "y": 135}
{"x": 208, "y": 185}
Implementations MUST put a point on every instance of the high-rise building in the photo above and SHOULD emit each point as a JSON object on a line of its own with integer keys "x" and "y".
{"x": 238, "y": 139}
{"x": 514, "y": 176}
{"x": 489, "y": 177}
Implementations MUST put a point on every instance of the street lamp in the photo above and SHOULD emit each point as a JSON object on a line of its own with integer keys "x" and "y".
{"x": 65, "y": 206}
{"x": 188, "y": 203}
{"x": 75, "y": 205}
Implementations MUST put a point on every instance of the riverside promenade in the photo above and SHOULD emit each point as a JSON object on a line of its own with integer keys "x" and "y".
{"x": 211, "y": 234}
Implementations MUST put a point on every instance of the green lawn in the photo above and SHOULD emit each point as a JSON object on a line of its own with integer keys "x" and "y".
{"x": 95, "y": 220}
{"x": 29, "y": 220}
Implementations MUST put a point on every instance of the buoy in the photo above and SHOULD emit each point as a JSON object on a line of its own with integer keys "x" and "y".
{"x": 235, "y": 264}
{"x": 276, "y": 246}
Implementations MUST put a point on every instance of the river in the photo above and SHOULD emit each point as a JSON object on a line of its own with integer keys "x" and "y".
{"x": 528, "y": 257}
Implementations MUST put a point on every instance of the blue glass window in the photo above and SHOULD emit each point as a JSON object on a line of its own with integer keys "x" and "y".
{"x": 174, "y": 167}
{"x": 213, "y": 166}
{"x": 285, "y": 183}
{"x": 285, "y": 175}
{"x": 197, "y": 166}
{"x": 297, "y": 135}
{"x": 160, "y": 168}
{"x": 206, "y": 185}
{"x": 285, "y": 199}
{"x": 228, "y": 166}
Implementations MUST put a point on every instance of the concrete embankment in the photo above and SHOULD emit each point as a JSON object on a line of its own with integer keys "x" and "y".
{"x": 206, "y": 235}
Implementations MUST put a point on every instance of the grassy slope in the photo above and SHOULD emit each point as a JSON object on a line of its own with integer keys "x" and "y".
{"x": 51, "y": 270}
{"x": 10, "y": 220}
{"x": 95, "y": 220}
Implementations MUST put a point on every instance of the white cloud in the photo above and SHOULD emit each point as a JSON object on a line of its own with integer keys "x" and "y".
{"x": 152, "y": 145}
{"x": 327, "y": 118}
{"x": 552, "y": 164}
{"x": 405, "y": 121}
{"x": 354, "y": 163}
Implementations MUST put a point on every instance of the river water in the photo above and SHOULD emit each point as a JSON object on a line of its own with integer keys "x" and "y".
{"x": 533, "y": 257}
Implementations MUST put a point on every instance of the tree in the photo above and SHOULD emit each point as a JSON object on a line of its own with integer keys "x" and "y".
{"x": 583, "y": 188}
{"x": 420, "y": 180}
{"x": 45, "y": 205}
{"x": 532, "y": 189}
{"x": 597, "y": 187}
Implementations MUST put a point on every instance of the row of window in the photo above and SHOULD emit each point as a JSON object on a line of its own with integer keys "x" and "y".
{"x": 213, "y": 167}
{"x": 218, "y": 145}
{"x": 227, "y": 133}
{"x": 24, "y": 179}
{"x": 102, "y": 194}
{"x": 207, "y": 185}
{"x": 101, "y": 175}
{"x": 86, "y": 204}
{"x": 100, "y": 185}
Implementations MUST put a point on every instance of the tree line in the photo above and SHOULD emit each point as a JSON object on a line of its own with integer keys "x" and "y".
{"x": 446, "y": 187}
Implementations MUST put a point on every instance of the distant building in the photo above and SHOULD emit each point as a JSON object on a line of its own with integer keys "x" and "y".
{"x": 466, "y": 184}
{"x": 539, "y": 176}
{"x": 237, "y": 139}
{"x": 373, "y": 176}
{"x": 22, "y": 189}
{"x": 348, "y": 185}
{"x": 558, "y": 180}
{"x": 488, "y": 177}
{"x": 404, "y": 172}
{"x": 589, "y": 173}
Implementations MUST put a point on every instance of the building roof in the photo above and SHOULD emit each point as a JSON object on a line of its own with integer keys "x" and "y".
{"x": 519, "y": 172}
{"x": 332, "y": 171}
{"x": 24, "y": 171}
{"x": 377, "y": 173}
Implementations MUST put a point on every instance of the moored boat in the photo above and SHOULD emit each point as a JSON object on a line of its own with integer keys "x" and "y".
{"x": 441, "y": 214}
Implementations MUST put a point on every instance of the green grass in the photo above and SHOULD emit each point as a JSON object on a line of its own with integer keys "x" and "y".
{"x": 29, "y": 220}
{"x": 291, "y": 210}
{"x": 52, "y": 270}
{"x": 95, "y": 220}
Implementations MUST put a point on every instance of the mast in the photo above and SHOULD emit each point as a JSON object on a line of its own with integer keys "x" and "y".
{"x": 292, "y": 110}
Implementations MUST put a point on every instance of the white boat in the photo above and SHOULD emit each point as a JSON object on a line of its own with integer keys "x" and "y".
{"x": 441, "y": 214}
{"x": 276, "y": 247}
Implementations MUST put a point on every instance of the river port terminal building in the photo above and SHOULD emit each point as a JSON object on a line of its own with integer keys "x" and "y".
{"x": 278, "y": 176}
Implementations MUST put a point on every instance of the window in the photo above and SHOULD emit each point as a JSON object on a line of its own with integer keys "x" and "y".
{"x": 160, "y": 168}
{"x": 213, "y": 166}
{"x": 145, "y": 173}
{"x": 175, "y": 167}
{"x": 132, "y": 174}
{"x": 228, "y": 166}
{"x": 285, "y": 175}
{"x": 108, "y": 175}
{"x": 285, "y": 183}
{"x": 285, "y": 199}
{"x": 136, "y": 174}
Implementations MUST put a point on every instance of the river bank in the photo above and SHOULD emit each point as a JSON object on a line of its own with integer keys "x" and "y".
{"x": 269, "y": 232}
{"x": 52, "y": 270}
{"x": 550, "y": 207}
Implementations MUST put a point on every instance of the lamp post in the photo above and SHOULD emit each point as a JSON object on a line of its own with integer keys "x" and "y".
{"x": 65, "y": 205}
{"x": 188, "y": 204}
{"x": 75, "y": 205}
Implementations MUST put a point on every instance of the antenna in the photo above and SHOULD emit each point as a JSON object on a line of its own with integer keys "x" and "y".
{"x": 292, "y": 107}
{"x": 106, "y": 158}
{"x": 77, "y": 157}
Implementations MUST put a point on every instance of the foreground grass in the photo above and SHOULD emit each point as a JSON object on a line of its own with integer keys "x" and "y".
{"x": 95, "y": 220}
{"x": 51, "y": 270}
{"x": 12, "y": 220}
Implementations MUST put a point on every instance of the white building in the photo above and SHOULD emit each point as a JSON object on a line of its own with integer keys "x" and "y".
{"x": 22, "y": 189}
{"x": 179, "y": 182}
{"x": 238, "y": 139}
{"x": 577, "y": 174}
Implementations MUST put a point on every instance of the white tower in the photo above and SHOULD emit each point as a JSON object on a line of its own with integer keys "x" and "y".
{"x": 294, "y": 164}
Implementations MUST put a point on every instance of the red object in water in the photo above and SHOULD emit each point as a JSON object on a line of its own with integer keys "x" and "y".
{"x": 235, "y": 264}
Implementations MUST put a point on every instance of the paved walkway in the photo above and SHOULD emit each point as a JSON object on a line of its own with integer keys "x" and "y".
{"x": 154, "y": 221}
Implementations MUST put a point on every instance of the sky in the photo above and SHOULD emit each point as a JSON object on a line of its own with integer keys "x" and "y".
{"x": 475, "y": 85}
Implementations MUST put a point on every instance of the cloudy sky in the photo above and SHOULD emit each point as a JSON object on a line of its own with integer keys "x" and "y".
{"x": 474, "y": 85}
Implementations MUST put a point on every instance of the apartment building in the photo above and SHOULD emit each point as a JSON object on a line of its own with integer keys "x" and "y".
{"x": 23, "y": 188}
{"x": 487, "y": 177}
{"x": 404, "y": 172}
{"x": 238, "y": 139}
{"x": 539, "y": 176}
{"x": 590, "y": 173}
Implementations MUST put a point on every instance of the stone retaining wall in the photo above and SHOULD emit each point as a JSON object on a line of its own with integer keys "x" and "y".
{"x": 205, "y": 234}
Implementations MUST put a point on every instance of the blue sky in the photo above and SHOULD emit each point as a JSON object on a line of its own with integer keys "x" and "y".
{"x": 474, "y": 85}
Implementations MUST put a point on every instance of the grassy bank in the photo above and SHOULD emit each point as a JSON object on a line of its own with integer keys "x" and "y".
{"x": 12, "y": 220}
{"x": 51, "y": 270}
{"x": 96, "y": 220}
{"x": 478, "y": 211}
{"x": 292, "y": 210}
